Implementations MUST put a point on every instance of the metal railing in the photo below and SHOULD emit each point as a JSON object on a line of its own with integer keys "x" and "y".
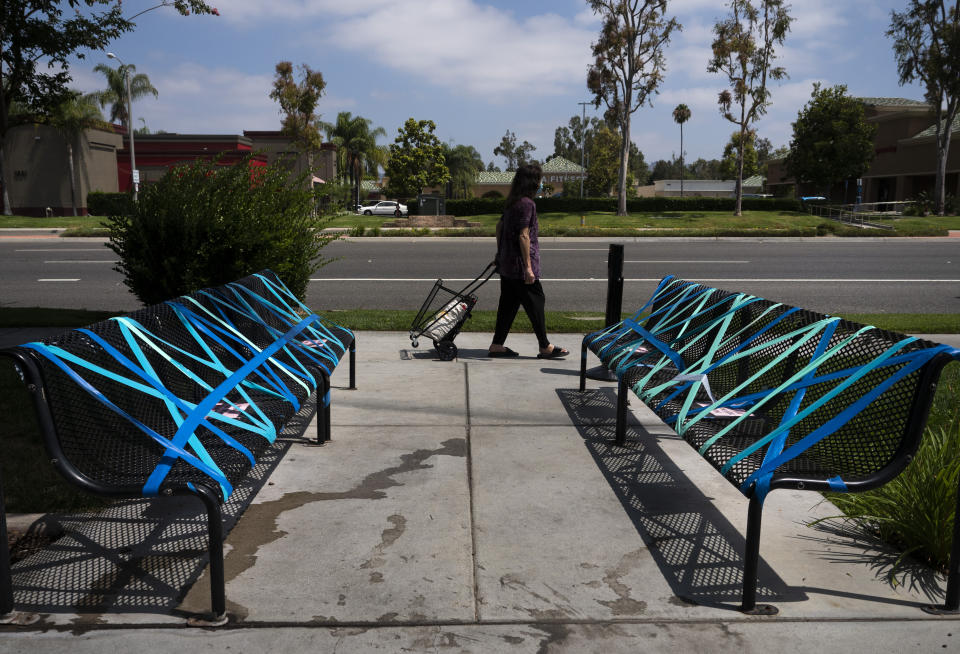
{"x": 859, "y": 215}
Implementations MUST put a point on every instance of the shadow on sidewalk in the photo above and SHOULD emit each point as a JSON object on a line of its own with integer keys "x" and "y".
{"x": 136, "y": 556}
{"x": 699, "y": 552}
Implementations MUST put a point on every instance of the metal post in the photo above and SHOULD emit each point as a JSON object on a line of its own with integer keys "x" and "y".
{"x": 614, "y": 303}
{"x": 133, "y": 152}
{"x": 751, "y": 563}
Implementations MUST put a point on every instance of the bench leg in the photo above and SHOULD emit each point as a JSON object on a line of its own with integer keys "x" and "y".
{"x": 583, "y": 367}
{"x": 218, "y": 591}
{"x": 353, "y": 364}
{"x": 6, "y": 577}
{"x": 951, "y": 603}
{"x": 621, "y": 429}
{"x": 751, "y": 562}
{"x": 323, "y": 407}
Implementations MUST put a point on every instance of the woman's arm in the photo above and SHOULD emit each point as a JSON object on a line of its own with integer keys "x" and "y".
{"x": 524, "y": 240}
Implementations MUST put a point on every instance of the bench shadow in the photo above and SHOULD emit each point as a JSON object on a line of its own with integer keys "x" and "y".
{"x": 699, "y": 552}
{"x": 697, "y": 549}
{"x": 136, "y": 556}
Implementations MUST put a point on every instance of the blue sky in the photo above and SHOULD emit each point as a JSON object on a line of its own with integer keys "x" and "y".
{"x": 475, "y": 67}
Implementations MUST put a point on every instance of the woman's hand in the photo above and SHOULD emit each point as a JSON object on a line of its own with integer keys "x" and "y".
{"x": 528, "y": 276}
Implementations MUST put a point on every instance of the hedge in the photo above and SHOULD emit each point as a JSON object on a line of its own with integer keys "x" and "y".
{"x": 100, "y": 203}
{"x": 478, "y": 206}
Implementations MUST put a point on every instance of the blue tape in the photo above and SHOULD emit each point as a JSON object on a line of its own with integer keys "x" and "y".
{"x": 836, "y": 484}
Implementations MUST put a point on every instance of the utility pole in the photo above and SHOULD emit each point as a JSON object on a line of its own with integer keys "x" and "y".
{"x": 583, "y": 135}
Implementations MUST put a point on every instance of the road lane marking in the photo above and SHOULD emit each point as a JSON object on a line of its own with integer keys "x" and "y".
{"x": 62, "y": 250}
{"x": 80, "y": 261}
{"x": 75, "y": 279}
{"x": 684, "y": 261}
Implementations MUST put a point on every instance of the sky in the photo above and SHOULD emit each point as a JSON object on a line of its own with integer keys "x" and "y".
{"x": 477, "y": 68}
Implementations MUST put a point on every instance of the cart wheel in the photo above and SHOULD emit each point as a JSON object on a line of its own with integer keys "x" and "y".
{"x": 447, "y": 350}
{"x": 415, "y": 343}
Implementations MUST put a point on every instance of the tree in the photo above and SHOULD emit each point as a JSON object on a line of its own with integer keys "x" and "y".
{"x": 681, "y": 114}
{"x": 493, "y": 168}
{"x": 516, "y": 155}
{"x": 298, "y": 104}
{"x": 602, "y": 173}
{"x": 704, "y": 169}
{"x": 927, "y": 47}
{"x": 743, "y": 50}
{"x": 831, "y": 139}
{"x": 463, "y": 162}
{"x": 356, "y": 147}
{"x": 71, "y": 117}
{"x": 736, "y": 162}
{"x": 638, "y": 165}
{"x": 416, "y": 160}
{"x": 37, "y": 42}
{"x": 567, "y": 140}
{"x": 115, "y": 94}
{"x": 628, "y": 66}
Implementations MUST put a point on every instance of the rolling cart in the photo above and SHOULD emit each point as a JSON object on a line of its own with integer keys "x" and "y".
{"x": 443, "y": 313}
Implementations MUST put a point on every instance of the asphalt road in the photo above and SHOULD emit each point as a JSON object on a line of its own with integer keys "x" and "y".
{"x": 830, "y": 275}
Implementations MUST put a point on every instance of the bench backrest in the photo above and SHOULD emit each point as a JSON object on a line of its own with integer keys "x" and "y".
{"x": 187, "y": 391}
{"x": 764, "y": 389}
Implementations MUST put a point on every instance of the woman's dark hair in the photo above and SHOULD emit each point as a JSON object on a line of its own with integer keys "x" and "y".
{"x": 526, "y": 183}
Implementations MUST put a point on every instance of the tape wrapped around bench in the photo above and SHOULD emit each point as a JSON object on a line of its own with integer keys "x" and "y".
{"x": 763, "y": 389}
{"x": 134, "y": 399}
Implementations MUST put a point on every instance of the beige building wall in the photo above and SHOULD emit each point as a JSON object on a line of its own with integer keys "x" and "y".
{"x": 277, "y": 146}
{"x": 38, "y": 171}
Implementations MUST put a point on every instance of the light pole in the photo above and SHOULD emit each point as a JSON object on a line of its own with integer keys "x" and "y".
{"x": 133, "y": 152}
{"x": 583, "y": 136}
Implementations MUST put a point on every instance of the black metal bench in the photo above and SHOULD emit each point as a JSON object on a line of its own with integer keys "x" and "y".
{"x": 775, "y": 397}
{"x": 180, "y": 398}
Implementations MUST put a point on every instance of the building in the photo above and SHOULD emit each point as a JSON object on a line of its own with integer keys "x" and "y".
{"x": 561, "y": 175}
{"x": 905, "y": 157}
{"x": 38, "y": 170}
{"x": 708, "y": 188}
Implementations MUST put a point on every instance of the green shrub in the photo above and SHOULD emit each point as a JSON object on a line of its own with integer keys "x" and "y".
{"x": 109, "y": 204}
{"x": 827, "y": 228}
{"x": 204, "y": 224}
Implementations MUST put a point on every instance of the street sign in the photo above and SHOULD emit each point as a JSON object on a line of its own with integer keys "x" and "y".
{"x": 136, "y": 176}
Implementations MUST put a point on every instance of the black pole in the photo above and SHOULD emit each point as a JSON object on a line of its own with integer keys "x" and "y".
{"x": 614, "y": 284}
{"x": 614, "y": 304}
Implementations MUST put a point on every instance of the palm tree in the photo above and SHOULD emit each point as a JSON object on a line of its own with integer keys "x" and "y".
{"x": 356, "y": 146}
{"x": 115, "y": 94}
{"x": 681, "y": 114}
{"x": 71, "y": 117}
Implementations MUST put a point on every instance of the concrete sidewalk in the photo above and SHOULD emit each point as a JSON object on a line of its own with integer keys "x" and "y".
{"x": 477, "y": 505}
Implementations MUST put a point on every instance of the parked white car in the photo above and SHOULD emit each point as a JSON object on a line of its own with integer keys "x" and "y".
{"x": 385, "y": 208}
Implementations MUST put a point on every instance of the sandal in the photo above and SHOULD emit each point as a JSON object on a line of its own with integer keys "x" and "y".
{"x": 503, "y": 355}
{"x": 555, "y": 353}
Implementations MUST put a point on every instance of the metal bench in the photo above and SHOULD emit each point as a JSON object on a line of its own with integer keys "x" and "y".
{"x": 180, "y": 398}
{"x": 774, "y": 396}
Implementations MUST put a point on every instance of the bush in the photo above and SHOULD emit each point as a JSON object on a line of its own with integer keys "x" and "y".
{"x": 109, "y": 204}
{"x": 204, "y": 224}
{"x": 478, "y": 206}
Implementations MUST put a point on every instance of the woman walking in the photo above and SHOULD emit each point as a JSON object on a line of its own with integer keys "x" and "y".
{"x": 518, "y": 263}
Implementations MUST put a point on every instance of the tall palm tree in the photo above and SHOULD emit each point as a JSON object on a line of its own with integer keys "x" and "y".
{"x": 115, "y": 94}
{"x": 681, "y": 114}
{"x": 71, "y": 117}
{"x": 356, "y": 146}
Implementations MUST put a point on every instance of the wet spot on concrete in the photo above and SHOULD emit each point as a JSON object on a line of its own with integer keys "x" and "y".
{"x": 388, "y": 617}
{"x": 376, "y": 577}
{"x": 342, "y": 600}
{"x": 624, "y": 604}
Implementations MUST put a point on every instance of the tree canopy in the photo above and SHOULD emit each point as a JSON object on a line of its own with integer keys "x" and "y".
{"x": 604, "y": 165}
{"x": 832, "y": 140}
{"x": 927, "y": 47}
{"x": 463, "y": 162}
{"x": 516, "y": 155}
{"x": 298, "y": 105}
{"x": 357, "y": 147}
{"x": 732, "y": 156}
{"x": 743, "y": 50}
{"x": 115, "y": 95}
{"x": 416, "y": 160}
{"x": 628, "y": 66}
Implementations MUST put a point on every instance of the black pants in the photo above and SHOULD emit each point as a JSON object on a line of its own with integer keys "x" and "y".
{"x": 513, "y": 294}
